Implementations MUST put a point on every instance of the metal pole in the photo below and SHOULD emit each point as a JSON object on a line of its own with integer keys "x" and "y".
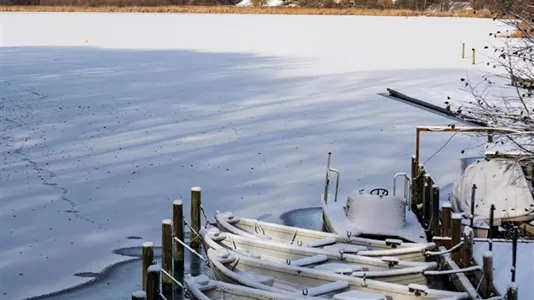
{"x": 490, "y": 233}
{"x": 327, "y": 178}
{"x": 472, "y": 217}
{"x": 514, "y": 254}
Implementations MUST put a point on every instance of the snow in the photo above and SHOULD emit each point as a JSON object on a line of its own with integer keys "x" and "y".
{"x": 502, "y": 264}
{"x": 326, "y": 288}
{"x": 499, "y": 182}
{"x": 362, "y": 210}
{"x": 107, "y": 118}
{"x": 341, "y": 224}
{"x": 269, "y": 3}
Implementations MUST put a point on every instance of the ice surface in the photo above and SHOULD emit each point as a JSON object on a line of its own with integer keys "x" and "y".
{"x": 502, "y": 264}
{"x": 107, "y": 118}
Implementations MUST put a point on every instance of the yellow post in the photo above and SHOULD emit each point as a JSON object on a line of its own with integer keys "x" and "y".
{"x": 473, "y": 56}
{"x": 463, "y": 50}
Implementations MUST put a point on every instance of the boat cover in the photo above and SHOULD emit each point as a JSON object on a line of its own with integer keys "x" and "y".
{"x": 500, "y": 182}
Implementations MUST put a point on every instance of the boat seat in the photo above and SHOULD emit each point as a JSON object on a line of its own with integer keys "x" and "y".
{"x": 418, "y": 288}
{"x": 393, "y": 242}
{"x": 358, "y": 295}
{"x": 326, "y": 288}
{"x": 347, "y": 248}
{"x": 266, "y": 280}
{"x": 339, "y": 268}
{"x": 320, "y": 242}
{"x": 247, "y": 253}
{"x": 306, "y": 261}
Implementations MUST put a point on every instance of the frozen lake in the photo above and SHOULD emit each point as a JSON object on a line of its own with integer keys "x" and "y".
{"x": 107, "y": 118}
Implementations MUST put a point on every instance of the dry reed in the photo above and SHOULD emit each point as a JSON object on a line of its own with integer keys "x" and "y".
{"x": 248, "y": 10}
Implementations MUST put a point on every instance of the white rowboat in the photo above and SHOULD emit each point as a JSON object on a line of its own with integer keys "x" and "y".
{"x": 269, "y": 276}
{"x": 251, "y": 228}
{"x": 339, "y": 260}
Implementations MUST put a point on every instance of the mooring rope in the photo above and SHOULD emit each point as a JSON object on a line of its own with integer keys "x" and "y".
{"x": 172, "y": 278}
{"x": 432, "y": 253}
{"x": 195, "y": 232}
{"x": 437, "y": 273}
{"x": 193, "y": 251}
{"x": 205, "y": 217}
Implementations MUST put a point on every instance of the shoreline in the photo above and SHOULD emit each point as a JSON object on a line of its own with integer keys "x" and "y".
{"x": 281, "y": 10}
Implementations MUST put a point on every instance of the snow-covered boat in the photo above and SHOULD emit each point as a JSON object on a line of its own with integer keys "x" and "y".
{"x": 251, "y": 228}
{"x": 377, "y": 215}
{"x": 335, "y": 260}
{"x": 203, "y": 288}
{"x": 273, "y": 277}
{"x": 498, "y": 182}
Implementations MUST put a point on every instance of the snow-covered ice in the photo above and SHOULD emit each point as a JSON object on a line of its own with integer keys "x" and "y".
{"x": 502, "y": 265}
{"x": 106, "y": 118}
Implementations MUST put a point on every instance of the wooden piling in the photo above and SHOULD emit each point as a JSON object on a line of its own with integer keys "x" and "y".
{"x": 178, "y": 228}
{"x": 153, "y": 275}
{"x": 456, "y": 235}
{"x": 467, "y": 258}
{"x": 473, "y": 56}
{"x": 446, "y": 209}
{"x": 414, "y": 185}
{"x": 434, "y": 216}
{"x": 463, "y": 50}
{"x": 166, "y": 256}
{"x": 486, "y": 287}
{"x": 148, "y": 260}
{"x": 427, "y": 198}
{"x": 139, "y": 295}
{"x": 195, "y": 217}
{"x": 511, "y": 292}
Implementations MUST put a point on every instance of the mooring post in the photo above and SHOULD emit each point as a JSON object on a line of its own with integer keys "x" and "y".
{"x": 139, "y": 295}
{"x": 153, "y": 282}
{"x": 514, "y": 254}
{"x": 178, "y": 229}
{"x": 463, "y": 50}
{"x": 435, "y": 212}
{"x": 166, "y": 256}
{"x": 473, "y": 56}
{"x": 472, "y": 216}
{"x": 195, "y": 217}
{"x": 414, "y": 184}
{"x": 467, "y": 247}
{"x": 511, "y": 292}
{"x": 490, "y": 232}
{"x": 148, "y": 260}
{"x": 446, "y": 210}
{"x": 486, "y": 287}
{"x": 427, "y": 199}
{"x": 456, "y": 235}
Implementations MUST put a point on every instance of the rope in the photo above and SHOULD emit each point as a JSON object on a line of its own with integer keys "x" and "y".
{"x": 173, "y": 279}
{"x": 437, "y": 273}
{"x": 480, "y": 282}
{"x": 205, "y": 217}
{"x": 193, "y": 251}
{"x": 432, "y": 253}
{"x": 444, "y": 145}
{"x": 196, "y": 233}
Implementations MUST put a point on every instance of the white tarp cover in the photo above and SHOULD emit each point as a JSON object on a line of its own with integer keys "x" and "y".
{"x": 499, "y": 182}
